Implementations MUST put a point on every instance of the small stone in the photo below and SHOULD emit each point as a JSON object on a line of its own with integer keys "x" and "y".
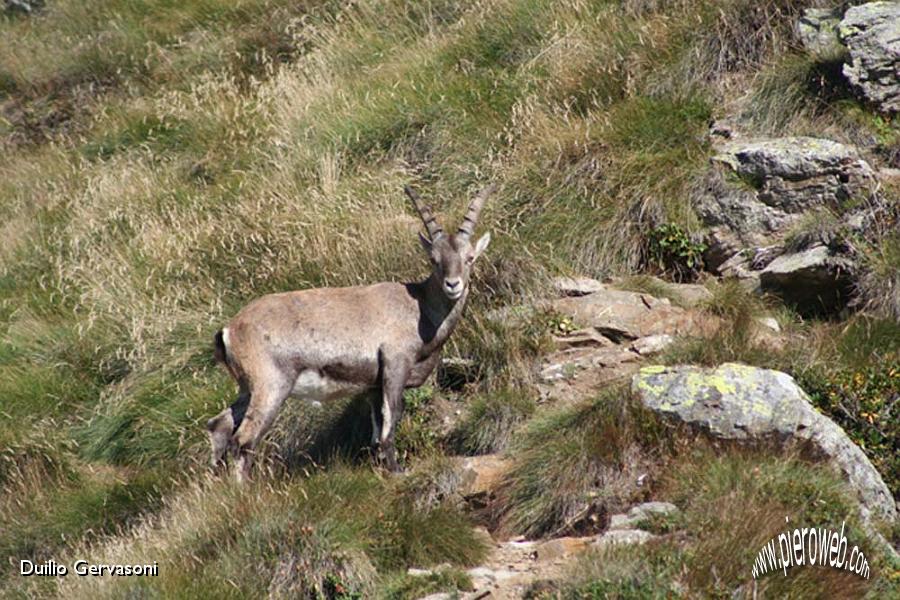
{"x": 576, "y": 286}
{"x": 482, "y": 573}
{"x": 623, "y": 536}
{"x": 413, "y": 572}
{"x": 639, "y": 513}
{"x": 563, "y": 547}
{"x": 652, "y": 344}
{"x": 480, "y": 475}
{"x": 769, "y": 323}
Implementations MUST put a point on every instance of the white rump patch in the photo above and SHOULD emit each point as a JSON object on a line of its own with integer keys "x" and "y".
{"x": 225, "y": 341}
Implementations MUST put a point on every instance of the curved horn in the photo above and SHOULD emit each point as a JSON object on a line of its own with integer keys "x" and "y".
{"x": 431, "y": 224}
{"x": 467, "y": 227}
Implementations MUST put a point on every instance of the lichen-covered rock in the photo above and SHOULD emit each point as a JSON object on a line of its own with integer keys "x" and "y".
{"x": 738, "y": 402}
{"x": 817, "y": 278}
{"x": 871, "y": 33}
{"x": 818, "y": 31}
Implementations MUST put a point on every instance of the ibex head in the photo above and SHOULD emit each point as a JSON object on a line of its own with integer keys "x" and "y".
{"x": 452, "y": 256}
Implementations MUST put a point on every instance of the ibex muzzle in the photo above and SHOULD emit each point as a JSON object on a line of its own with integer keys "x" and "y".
{"x": 326, "y": 343}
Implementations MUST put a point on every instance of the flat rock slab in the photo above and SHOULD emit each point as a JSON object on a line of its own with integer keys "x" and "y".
{"x": 622, "y": 537}
{"x": 739, "y": 402}
{"x": 576, "y": 286}
{"x": 628, "y": 315}
{"x": 814, "y": 279}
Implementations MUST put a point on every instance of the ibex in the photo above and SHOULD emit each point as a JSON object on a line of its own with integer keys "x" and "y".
{"x": 327, "y": 343}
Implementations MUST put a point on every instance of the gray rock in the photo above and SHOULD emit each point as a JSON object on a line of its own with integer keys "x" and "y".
{"x": 623, "y": 536}
{"x": 871, "y": 33}
{"x": 738, "y": 402}
{"x": 639, "y": 513}
{"x": 770, "y": 323}
{"x": 23, "y": 6}
{"x": 818, "y": 31}
{"x": 576, "y": 286}
{"x": 652, "y": 344}
{"x": 765, "y": 188}
{"x": 793, "y": 174}
{"x": 815, "y": 279}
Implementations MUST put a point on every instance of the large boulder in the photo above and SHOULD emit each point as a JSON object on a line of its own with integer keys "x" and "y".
{"x": 871, "y": 33}
{"x": 738, "y": 402}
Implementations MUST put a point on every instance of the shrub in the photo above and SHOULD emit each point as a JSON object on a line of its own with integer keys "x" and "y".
{"x": 674, "y": 252}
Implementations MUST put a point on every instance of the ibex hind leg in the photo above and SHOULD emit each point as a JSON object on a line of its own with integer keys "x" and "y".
{"x": 221, "y": 428}
{"x": 265, "y": 400}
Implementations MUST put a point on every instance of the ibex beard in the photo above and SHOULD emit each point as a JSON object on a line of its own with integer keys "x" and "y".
{"x": 328, "y": 343}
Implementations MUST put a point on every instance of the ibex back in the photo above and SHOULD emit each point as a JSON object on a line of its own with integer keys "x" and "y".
{"x": 323, "y": 344}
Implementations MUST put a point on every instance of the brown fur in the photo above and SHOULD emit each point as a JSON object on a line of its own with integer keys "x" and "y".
{"x": 332, "y": 342}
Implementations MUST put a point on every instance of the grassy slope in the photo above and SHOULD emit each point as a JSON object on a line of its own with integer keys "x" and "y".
{"x": 170, "y": 161}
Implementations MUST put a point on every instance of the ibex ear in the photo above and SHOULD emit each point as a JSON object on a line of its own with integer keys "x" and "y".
{"x": 482, "y": 244}
{"x": 426, "y": 243}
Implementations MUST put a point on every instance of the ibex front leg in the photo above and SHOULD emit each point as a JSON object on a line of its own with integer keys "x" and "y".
{"x": 395, "y": 371}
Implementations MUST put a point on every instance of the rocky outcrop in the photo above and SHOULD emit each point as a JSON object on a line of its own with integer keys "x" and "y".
{"x": 617, "y": 330}
{"x": 871, "y": 33}
{"x": 756, "y": 197}
{"x": 738, "y": 402}
{"x": 793, "y": 174}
